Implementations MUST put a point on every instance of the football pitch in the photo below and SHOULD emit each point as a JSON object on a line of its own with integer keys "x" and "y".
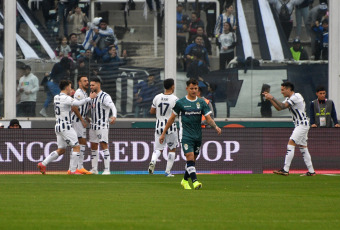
{"x": 258, "y": 201}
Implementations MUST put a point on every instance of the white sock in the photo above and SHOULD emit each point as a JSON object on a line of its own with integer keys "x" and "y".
{"x": 106, "y": 159}
{"x": 74, "y": 161}
{"x": 170, "y": 162}
{"x": 81, "y": 157}
{"x": 71, "y": 161}
{"x": 289, "y": 157}
{"x": 155, "y": 156}
{"x": 53, "y": 156}
{"x": 94, "y": 159}
{"x": 308, "y": 159}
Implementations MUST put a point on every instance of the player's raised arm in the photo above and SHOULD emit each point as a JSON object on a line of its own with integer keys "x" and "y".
{"x": 277, "y": 104}
{"x": 167, "y": 126}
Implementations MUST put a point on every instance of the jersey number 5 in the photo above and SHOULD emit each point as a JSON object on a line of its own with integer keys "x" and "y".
{"x": 163, "y": 107}
{"x": 57, "y": 108}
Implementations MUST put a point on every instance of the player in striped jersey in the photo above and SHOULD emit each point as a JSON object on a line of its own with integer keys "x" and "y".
{"x": 162, "y": 106}
{"x": 190, "y": 110}
{"x": 63, "y": 127}
{"x": 297, "y": 107}
{"x": 100, "y": 120}
{"x": 79, "y": 120}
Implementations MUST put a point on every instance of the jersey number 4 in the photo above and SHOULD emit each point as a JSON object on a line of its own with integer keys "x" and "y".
{"x": 163, "y": 107}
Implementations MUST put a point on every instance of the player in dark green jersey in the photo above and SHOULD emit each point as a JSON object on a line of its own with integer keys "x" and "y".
{"x": 190, "y": 110}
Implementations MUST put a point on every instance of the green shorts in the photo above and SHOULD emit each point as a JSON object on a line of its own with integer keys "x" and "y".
{"x": 189, "y": 146}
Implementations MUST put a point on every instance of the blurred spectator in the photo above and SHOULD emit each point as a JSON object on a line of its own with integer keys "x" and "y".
{"x": 63, "y": 50}
{"x": 211, "y": 96}
{"x": 14, "y": 124}
{"x": 228, "y": 42}
{"x": 204, "y": 122}
{"x": 2, "y": 126}
{"x": 75, "y": 46}
{"x": 210, "y": 12}
{"x": 206, "y": 42}
{"x": 102, "y": 32}
{"x": 298, "y": 52}
{"x": 60, "y": 71}
{"x": 182, "y": 27}
{"x": 285, "y": 9}
{"x": 302, "y": 11}
{"x": 194, "y": 24}
{"x": 144, "y": 93}
{"x": 197, "y": 59}
{"x": 227, "y": 2}
{"x": 322, "y": 110}
{"x": 109, "y": 70}
{"x": 65, "y": 6}
{"x": 266, "y": 105}
{"x": 77, "y": 21}
{"x": 227, "y": 16}
{"x": 50, "y": 15}
{"x": 321, "y": 40}
{"x": 28, "y": 88}
{"x": 100, "y": 51}
{"x": 318, "y": 13}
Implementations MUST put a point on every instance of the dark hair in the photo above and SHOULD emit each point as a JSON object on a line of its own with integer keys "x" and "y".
{"x": 200, "y": 89}
{"x": 230, "y": 27}
{"x": 195, "y": 13}
{"x": 228, "y": 5}
{"x": 289, "y": 85}
{"x": 192, "y": 81}
{"x": 200, "y": 27}
{"x": 103, "y": 21}
{"x": 96, "y": 79}
{"x": 64, "y": 83}
{"x": 198, "y": 36}
{"x": 320, "y": 88}
{"x": 27, "y": 67}
{"x": 168, "y": 83}
{"x": 265, "y": 87}
{"x": 65, "y": 62}
{"x": 71, "y": 35}
{"x": 79, "y": 77}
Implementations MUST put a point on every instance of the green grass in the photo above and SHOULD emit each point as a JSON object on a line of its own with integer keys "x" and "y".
{"x": 156, "y": 202}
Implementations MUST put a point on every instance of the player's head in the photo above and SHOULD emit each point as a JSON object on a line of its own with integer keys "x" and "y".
{"x": 95, "y": 84}
{"x": 321, "y": 93}
{"x": 192, "y": 88}
{"x": 65, "y": 85}
{"x": 169, "y": 84}
{"x": 83, "y": 82}
{"x": 287, "y": 89}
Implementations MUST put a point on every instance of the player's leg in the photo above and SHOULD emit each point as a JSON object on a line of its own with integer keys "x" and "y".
{"x": 70, "y": 136}
{"x": 197, "y": 147}
{"x": 156, "y": 153}
{"x": 104, "y": 140}
{"x": 172, "y": 143}
{"x": 82, "y": 143}
{"x": 94, "y": 151}
{"x": 305, "y": 153}
{"x": 53, "y": 155}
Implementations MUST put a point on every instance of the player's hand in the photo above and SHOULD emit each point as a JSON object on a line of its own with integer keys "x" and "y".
{"x": 267, "y": 95}
{"x": 161, "y": 139}
{"x": 336, "y": 125}
{"x": 93, "y": 95}
{"x": 112, "y": 120}
{"x": 314, "y": 126}
{"x": 218, "y": 130}
{"x": 84, "y": 123}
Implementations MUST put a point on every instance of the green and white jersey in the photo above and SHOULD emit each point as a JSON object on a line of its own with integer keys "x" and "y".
{"x": 190, "y": 116}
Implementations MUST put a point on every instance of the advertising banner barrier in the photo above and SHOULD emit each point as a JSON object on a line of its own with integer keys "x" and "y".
{"x": 236, "y": 151}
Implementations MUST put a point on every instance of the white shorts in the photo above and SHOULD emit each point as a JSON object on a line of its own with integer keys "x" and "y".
{"x": 170, "y": 139}
{"x": 97, "y": 136}
{"x": 67, "y": 137}
{"x": 80, "y": 130}
{"x": 300, "y": 135}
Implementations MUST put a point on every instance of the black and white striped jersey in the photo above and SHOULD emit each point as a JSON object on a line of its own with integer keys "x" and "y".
{"x": 163, "y": 105}
{"x": 100, "y": 111}
{"x": 297, "y": 109}
{"x": 62, "y": 110}
{"x": 83, "y": 109}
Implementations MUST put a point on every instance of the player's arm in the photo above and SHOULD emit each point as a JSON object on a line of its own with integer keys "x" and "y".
{"x": 109, "y": 103}
{"x": 153, "y": 110}
{"x": 83, "y": 101}
{"x": 212, "y": 123}
{"x": 167, "y": 126}
{"x": 277, "y": 104}
{"x": 77, "y": 113}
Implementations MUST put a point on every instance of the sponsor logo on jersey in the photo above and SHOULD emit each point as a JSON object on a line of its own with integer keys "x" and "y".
{"x": 186, "y": 146}
{"x": 198, "y": 105}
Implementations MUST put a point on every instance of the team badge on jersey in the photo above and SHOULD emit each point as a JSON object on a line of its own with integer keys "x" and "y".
{"x": 186, "y": 146}
{"x": 198, "y": 105}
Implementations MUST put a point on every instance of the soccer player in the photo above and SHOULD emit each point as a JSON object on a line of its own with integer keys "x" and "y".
{"x": 190, "y": 110}
{"x": 79, "y": 120}
{"x": 99, "y": 132}
{"x": 297, "y": 107}
{"x": 162, "y": 106}
{"x": 63, "y": 127}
